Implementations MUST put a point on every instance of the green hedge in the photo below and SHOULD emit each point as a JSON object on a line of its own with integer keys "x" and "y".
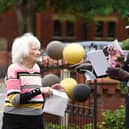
{"x": 125, "y": 44}
{"x": 113, "y": 119}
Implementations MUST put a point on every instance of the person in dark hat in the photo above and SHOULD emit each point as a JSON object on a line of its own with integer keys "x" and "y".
{"x": 122, "y": 74}
{"x": 116, "y": 73}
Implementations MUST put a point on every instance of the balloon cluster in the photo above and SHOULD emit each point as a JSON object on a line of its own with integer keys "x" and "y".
{"x": 78, "y": 92}
{"x": 72, "y": 53}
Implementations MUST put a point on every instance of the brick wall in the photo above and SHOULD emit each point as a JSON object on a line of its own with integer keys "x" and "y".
{"x": 108, "y": 95}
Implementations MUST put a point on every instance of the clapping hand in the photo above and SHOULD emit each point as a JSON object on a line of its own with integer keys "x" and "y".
{"x": 82, "y": 67}
{"x": 118, "y": 73}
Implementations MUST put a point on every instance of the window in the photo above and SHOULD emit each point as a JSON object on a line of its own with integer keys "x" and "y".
{"x": 111, "y": 29}
{"x": 69, "y": 28}
{"x": 57, "y": 28}
{"x": 99, "y": 29}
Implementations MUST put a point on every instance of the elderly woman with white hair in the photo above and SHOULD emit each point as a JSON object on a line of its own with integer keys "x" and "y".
{"x": 24, "y": 91}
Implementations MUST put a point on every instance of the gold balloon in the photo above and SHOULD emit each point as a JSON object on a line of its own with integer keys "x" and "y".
{"x": 73, "y": 53}
{"x": 68, "y": 84}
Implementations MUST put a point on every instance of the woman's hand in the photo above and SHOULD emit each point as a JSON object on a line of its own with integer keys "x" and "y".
{"x": 58, "y": 86}
{"x": 47, "y": 91}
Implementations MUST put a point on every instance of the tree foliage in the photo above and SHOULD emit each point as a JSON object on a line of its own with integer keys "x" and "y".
{"x": 25, "y": 10}
{"x": 89, "y": 8}
{"x": 86, "y": 9}
{"x": 125, "y": 44}
{"x": 5, "y": 5}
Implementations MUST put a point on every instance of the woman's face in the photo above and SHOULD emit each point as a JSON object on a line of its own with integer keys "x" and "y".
{"x": 34, "y": 53}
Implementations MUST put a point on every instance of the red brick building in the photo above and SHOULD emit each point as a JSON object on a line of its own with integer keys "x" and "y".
{"x": 49, "y": 26}
{"x": 68, "y": 28}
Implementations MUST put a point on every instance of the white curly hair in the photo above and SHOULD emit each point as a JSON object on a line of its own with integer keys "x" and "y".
{"x": 20, "y": 47}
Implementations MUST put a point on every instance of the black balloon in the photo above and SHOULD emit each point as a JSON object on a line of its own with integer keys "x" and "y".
{"x": 81, "y": 92}
{"x": 50, "y": 79}
{"x": 55, "y": 50}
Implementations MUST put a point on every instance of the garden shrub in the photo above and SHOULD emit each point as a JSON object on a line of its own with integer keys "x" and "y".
{"x": 113, "y": 119}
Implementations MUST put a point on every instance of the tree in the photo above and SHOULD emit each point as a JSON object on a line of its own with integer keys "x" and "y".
{"x": 25, "y": 10}
{"x": 86, "y": 9}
